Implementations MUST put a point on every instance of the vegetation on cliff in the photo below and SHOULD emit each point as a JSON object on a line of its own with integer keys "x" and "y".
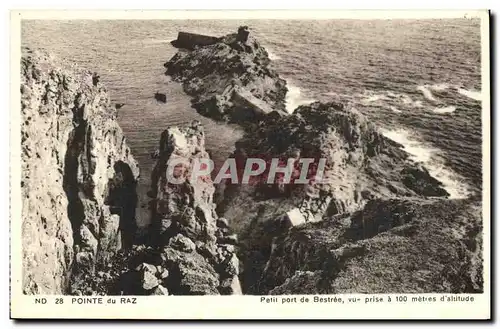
{"x": 230, "y": 80}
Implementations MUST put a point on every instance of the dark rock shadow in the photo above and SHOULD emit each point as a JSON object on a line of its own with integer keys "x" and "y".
{"x": 122, "y": 200}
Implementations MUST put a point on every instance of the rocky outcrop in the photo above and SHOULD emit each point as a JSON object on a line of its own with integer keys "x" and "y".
{"x": 390, "y": 246}
{"x": 230, "y": 79}
{"x": 191, "y": 41}
{"x": 193, "y": 251}
{"x": 360, "y": 163}
{"x": 78, "y": 176}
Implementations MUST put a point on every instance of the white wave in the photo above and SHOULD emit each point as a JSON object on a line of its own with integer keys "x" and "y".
{"x": 429, "y": 156}
{"x": 418, "y": 104}
{"x": 407, "y": 100}
{"x": 295, "y": 99}
{"x": 273, "y": 56}
{"x": 442, "y": 110}
{"x": 440, "y": 86}
{"x": 477, "y": 95}
{"x": 426, "y": 92}
{"x": 395, "y": 110}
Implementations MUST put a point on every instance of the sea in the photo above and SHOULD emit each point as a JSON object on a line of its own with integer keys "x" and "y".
{"x": 418, "y": 80}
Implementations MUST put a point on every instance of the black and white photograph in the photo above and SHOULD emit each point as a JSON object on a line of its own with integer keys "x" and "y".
{"x": 262, "y": 157}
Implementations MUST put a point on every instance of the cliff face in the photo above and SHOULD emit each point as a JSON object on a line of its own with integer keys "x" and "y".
{"x": 230, "y": 80}
{"x": 78, "y": 176}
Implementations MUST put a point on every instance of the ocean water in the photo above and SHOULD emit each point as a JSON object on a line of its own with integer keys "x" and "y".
{"x": 419, "y": 80}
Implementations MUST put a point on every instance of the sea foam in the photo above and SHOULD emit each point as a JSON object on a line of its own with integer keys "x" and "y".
{"x": 442, "y": 110}
{"x": 394, "y": 109}
{"x": 420, "y": 152}
{"x": 295, "y": 99}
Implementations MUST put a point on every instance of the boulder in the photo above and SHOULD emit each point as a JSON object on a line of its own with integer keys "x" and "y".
{"x": 144, "y": 267}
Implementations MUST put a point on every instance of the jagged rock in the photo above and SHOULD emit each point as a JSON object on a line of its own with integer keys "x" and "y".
{"x": 110, "y": 237}
{"x": 77, "y": 171}
{"x": 419, "y": 180}
{"x": 230, "y": 248}
{"x": 230, "y": 266}
{"x": 243, "y": 34}
{"x": 190, "y": 273}
{"x": 222, "y": 223}
{"x": 182, "y": 243}
{"x": 231, "y": 286}
{"x": 186, "y": 207}
{"x": 238, "y": 85}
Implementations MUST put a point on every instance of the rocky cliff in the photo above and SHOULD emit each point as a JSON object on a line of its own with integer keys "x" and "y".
{"x": 360, "y": 165}
{"x": 375, "y": 221}
{"x": 78, "y": 176}
{"x": 192, "y": 251}
{"x": 230, "y": 80}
